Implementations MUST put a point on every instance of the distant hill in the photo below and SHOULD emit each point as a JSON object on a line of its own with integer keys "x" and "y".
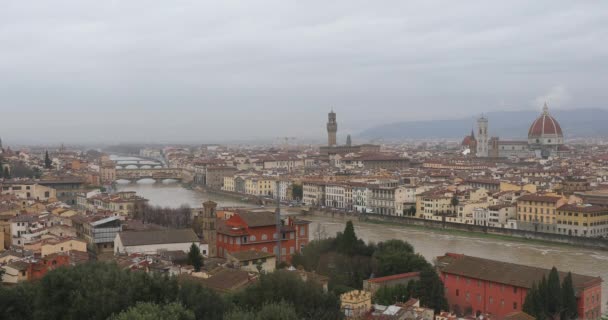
{"x": 505, "y": 124}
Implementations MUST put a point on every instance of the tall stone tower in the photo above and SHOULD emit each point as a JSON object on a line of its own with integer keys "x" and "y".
{"x": 209, "y": 221}
{"x": 332, "y": 129}
{"x": 349, "y": 141}
{"x": 482, "y": 137}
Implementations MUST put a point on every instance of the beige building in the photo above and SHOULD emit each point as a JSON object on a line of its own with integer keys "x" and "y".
{"x": 28, "y": 190}
{"x": 62, "y": 245}
{"x": 313, "y": 193}
{"x": 355, "y": 304}
{"x": 253, "y": 261}
{"x": 107, "y": 172}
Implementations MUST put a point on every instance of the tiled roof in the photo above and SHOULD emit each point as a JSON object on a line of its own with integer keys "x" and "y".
{"x": 138, "y": 238}
{"x": 395, "y": 277}
{"x": 512, "y": 274}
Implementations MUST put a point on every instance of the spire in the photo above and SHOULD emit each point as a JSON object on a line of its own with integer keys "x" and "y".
{"x": 472, "y": 133}
{"x": 545, "y": 108}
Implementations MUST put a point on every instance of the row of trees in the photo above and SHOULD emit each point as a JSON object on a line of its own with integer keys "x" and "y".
{"x": 348, "y": 260}
{"x": 104, "y": 291}
{"x": 169, "y": 217}
{"x": 549, "y": 299}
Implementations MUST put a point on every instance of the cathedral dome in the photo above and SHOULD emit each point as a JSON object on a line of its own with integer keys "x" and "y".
{"x": 545, "y": 127}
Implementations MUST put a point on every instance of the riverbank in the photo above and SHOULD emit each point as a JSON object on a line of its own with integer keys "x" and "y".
{"x": 519, "y": 236}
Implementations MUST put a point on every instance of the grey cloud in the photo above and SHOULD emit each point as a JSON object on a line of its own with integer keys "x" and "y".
{"x": 222, "y": 70}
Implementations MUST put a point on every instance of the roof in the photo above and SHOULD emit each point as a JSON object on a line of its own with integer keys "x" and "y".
{"x": 545, "y": 124}
{"x": 519, "y": 315}
{"x": 539, "y": 198}
{"x": 225, "y": 280}
{"x": 512, "y": 274}
{"x": 395, "y": 277}
{"x": 250, "y": 255}
{"x": 583, "y": 208}
{"x": 150, "y": 237}
{"x": 258, "y": 219}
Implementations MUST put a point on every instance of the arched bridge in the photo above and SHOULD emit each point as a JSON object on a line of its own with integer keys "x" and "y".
{"x": 152, "y": 173}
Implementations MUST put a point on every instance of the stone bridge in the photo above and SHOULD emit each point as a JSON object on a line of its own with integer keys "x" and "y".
{"x": 157, "y": 174}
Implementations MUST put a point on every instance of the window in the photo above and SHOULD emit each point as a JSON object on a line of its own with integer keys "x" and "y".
{"x": 491, "y": 300}
{"x": 467, "y": 296}
{"x": 457, "y": 292}
{"x": 514, "y": 305}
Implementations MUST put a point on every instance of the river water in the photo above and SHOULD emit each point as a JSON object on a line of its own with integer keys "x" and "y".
{"x": 430, "y": 244}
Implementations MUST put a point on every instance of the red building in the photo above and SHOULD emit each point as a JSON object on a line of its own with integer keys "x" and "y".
{"x": 257, "y": 231}
{"x": 37, "y": 270}
{"x": 498, "y": 288}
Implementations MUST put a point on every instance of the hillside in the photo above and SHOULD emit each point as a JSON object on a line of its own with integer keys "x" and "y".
{"x": 505, "y": 124}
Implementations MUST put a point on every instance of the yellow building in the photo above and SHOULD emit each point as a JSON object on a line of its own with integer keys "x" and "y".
{"x": 431, "y": 203}
{"x": 539, "y": 208}
{"x": 582, "y": 220}
{"x": 228, "y": 184}
{"x": 355, "y": 304}
{"x": 62, "y": 245}
{"x": 260, "y": 186}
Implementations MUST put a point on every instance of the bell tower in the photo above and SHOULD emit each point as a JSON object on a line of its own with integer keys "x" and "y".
{"x": 482, "y": 137}
{"x": 209, "y": 221}
{"x": 332, "y": 129}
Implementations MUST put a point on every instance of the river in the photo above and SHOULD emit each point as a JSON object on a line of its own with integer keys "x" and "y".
{"x": 428, "y": 243}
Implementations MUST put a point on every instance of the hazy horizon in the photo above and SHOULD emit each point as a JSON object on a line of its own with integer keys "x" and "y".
{"x": 181, "y": 71}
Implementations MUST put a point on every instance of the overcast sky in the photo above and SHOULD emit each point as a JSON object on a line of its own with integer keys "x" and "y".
{"x": 203, "y": 71}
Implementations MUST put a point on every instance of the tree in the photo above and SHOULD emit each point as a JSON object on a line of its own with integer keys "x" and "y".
{"x": 7, "y": 173}
{"x": 297, "y": 191}
{"x": 48, "y": 163}
{"x": 195, "y": 258}
{"x": 533, "y": 304}
{"x": 570, "y": 308}
{"x": 554, "y": 295}
{"x": 270, "y": 311}
{"x": 151, "y": 311}
{"x": 347, "y": 241}
{"x": 454, "y": 202}
{"x": 307, "y": 297}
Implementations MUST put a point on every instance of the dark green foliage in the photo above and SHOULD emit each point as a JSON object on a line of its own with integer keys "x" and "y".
{"x": 98, "y": 291}
{"x": 570, "y": 308}
{"x": 15, "y": 302}
{"x": 308, "y": 298}
{"x": 195, "y": 258}
{"x": 554, "y": 295}
{"x": 347, "y": 242}
{"x": 394, "y": 294}
{"x": 205, "y": 303}
{"x": 533, "y": 304}
{"x": 271, "y": 311}
{"x": 297, "y": 191}
{"x": 347, "y": 267}
{"x": 48, "y": 163}
{"x": 551, "y": 300}
{"x": 151, "y": 311}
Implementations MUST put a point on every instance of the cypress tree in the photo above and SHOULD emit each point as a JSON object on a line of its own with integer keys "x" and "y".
{"x": 195, "y": 258}
{"x": 47, "y": 160}
{"x": 568, "y": 299}
{"x": 348, "y": 240}
{"x": 554, "y": 295}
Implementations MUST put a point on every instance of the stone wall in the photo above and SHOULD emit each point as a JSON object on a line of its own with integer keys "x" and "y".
{"x": 593, "y": 243}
